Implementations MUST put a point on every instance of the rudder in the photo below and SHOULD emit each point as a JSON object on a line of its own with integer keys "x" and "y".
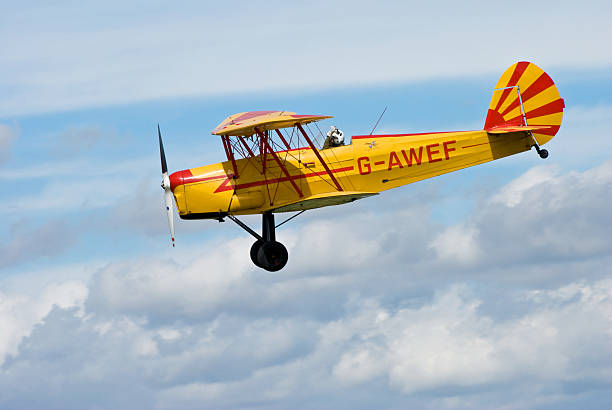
{"x": 526, "y": 83}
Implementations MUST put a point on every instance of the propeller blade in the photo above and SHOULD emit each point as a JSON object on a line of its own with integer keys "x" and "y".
{"x": 166, "y": 186}
{"x": 168, "y": 199}
{"x": 164, "y": 166}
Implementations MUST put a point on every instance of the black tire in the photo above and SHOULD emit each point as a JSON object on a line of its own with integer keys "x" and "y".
{"x": 272, "y": 256}
{"x": 543, "y": 153}
{"x": 254, "y": 251}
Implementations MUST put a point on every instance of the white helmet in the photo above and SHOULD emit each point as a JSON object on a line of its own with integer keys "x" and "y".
{"x": 337, "y": 136}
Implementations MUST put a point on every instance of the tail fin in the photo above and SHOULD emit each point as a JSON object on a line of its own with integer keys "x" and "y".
{"x": 526, "y": 96}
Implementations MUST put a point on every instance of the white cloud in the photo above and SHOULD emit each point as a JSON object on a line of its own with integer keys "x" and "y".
{"x": 457, "y": 243}
{"x": 340, "y": 248}
{"x": 7, "y": 136}
{"x": 589, "y": 123}
{"x": 28, "y": 244}
{"x": 87, "y": 167}
{"x": 378, "y": 307}
{"x": 194, "y": 287}
{"x": 450, "y": 342}
{"x": 20, "y": 312}
{"x": 88, "y": 56}
{"x": 584, "y": 137}
{"x": 553, "y": 216}
{"x": 95, "y": 185}
{"x": 59, "y": 196}
{"x": 512, "y": 194}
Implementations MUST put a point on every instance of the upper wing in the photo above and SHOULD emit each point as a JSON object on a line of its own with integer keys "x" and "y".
{"x": 244, "y": 123}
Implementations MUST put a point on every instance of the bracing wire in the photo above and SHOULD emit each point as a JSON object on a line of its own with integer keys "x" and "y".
{"x": 276, "y": 145}
{"x": 290, "y": 218}
{"x": 324, "y": 153}
{"x": 348, "y": 178}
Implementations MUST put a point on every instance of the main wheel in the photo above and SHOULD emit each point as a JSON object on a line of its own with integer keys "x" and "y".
{"x": 543, "y": 153}
{"x": 254, "y": 251}
{"x": 272, "y": 256}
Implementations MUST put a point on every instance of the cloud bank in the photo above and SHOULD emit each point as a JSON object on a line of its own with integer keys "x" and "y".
{"x": 114, "y": 53}
{"x": 408, "y": 313}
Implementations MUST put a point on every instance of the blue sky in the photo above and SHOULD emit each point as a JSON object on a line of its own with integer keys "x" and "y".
{"x": 489, "y": 287}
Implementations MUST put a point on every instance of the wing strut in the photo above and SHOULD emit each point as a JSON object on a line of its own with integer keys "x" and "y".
{"x": 250, "y": 151}
{"x": 279, "y": 162}
{"x": 230, "y": 155}
{"x": 316, "y": 151}
{"x": 280, "y": 135}
{"x": 243, "y": 142}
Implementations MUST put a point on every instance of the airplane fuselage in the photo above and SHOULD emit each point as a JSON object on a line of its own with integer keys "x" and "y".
{"x": 371, "y": 164}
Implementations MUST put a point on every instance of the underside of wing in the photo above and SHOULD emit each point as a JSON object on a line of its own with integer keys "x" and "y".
{"x": 327, "y": 199}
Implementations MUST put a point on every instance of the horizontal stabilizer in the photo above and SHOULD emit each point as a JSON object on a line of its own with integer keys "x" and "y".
{"x": 504, "y": 129}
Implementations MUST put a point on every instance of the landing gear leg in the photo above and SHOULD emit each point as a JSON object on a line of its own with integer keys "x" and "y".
{"x": 267, "y": 227}
{"x": 543, "y": 153}
{"x": 266, "y": 253}
{"x": 272, "y": 255}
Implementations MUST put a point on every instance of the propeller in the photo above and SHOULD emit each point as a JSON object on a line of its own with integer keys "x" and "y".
{"x": 166, "y": 185}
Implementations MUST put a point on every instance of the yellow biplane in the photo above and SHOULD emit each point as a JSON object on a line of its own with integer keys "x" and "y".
{"x": 274, "y": 165}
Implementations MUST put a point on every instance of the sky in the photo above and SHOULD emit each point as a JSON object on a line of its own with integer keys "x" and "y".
{"x": 490, "y": 287}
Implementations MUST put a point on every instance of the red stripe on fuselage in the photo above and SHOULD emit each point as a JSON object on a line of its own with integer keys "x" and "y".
{"x": 225, "y": 186}
{"x": 360, "y": 137}
{"x": 186, "y": 177}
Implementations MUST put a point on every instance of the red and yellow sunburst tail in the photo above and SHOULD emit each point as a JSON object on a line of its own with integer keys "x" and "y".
{"x": 526, "y": 95}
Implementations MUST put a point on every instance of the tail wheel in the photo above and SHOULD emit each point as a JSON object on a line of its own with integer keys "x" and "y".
{"x": 271, "y": 256}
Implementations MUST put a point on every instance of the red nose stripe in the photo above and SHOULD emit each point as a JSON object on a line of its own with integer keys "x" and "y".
{"x": 178, "y": 178}
{"x": 186, "y": 177}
